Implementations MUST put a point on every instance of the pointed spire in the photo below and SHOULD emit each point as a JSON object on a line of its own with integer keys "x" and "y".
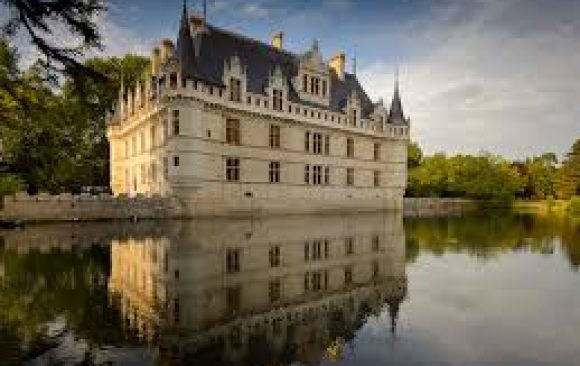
{"x": 396, "y": 115}
{"x": 185, "y": 51}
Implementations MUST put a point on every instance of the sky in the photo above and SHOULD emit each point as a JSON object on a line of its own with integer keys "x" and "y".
{"x": 498, "y": 76}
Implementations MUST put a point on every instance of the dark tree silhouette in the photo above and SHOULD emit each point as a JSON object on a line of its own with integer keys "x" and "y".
{"x": 38, "y": 19}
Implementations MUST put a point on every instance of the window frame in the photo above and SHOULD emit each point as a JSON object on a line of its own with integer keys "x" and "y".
{"x": 232, "y": 169}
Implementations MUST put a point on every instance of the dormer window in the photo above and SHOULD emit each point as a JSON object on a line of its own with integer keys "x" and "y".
{"x": 235, "y": 90}
{"x": 315, "y": 86}
{"x": 277, "y": 99}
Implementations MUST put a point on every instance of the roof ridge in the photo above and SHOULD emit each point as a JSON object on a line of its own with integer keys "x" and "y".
{"x": 248, "y": 38}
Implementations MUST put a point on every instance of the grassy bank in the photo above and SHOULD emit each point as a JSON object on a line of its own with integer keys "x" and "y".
{"x": 558, "y": 207}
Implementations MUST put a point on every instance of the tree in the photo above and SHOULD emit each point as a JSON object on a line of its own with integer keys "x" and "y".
{"x": 55, "y": 139}
{"x": 483, "y": 177}
{"x": 40, "y": 18}
{"x": 414, "y": 155}
{"x": 568, "y": 181}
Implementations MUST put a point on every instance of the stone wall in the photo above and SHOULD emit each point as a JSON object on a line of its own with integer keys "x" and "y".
{"x": 427, "y": 207}
{"x": 67, "y": 207}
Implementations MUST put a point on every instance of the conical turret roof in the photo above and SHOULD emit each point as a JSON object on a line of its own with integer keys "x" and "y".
{"x": 185, "y": 51}
{"x": 396, "y": 115}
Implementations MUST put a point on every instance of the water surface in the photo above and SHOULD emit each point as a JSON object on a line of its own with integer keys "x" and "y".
{"x": 362, "y": 289}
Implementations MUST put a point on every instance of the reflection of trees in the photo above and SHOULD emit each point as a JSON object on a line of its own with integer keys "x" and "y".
{"x": 38, "y": 287}
{"x": 490, "y": 235}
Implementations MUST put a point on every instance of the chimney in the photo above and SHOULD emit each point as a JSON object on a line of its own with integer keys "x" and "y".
{"x": 167, "y": 49}
{"x": 337, "y": 63}
{"x": 277, "y": 40}
{"x": 155, "y": 61}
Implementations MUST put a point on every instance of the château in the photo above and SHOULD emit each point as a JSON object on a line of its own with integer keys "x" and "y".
{"x": 230, "y": 124}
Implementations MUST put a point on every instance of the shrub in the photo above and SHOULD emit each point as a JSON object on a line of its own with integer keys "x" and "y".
{"x": 10, "y": 184}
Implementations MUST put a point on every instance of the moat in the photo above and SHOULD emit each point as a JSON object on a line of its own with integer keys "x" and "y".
{"x": 363, "y": 289}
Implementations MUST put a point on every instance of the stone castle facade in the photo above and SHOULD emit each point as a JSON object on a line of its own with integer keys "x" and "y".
{"x": 230, "y": 124}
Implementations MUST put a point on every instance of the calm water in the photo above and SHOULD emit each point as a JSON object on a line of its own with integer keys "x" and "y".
{"x": 359, "y": 290}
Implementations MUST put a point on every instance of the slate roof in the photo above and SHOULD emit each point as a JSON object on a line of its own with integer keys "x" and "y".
{"x": 213, "y": 46}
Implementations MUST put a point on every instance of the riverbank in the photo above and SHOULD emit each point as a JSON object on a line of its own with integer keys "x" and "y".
{"x": 542, "y": 207}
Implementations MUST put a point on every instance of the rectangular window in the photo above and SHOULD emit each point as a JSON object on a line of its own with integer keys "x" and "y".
{"x": 349, "y": 147}
{"x": 233, "y": 260}
{"x": 317, "y": 143}
{"x": 153, "y": 136}
{"x": 233, "y": 131}
{"x": 349, "y": 176}
{"x": 376, "y": 178}
{"x": 274, "y": 136}
{"x": 275, "y": 256}
{"x": 307, "y": 141}
{"x": 305, "y": 83}
{"x": 235, "y": 90}
{"x": 307, "y": 174}
{"x": 347, "y": 276}
{"x": 176, "y": 160}
{"x": 277, "y": 100}
{"x": 375, "y": 269}
{"x": 326, "y": 175}
{"x": 376, "y": 152}
{"x": 375, "y": 242}
{"x": 165, "y": 167}
{"x": 232, "y": 169}
{"x": 327, "y": 145}
{"x": 176, "y": 122}
{"x": 153, "y": 172}
{"x": 274, "y": 172}
{"x": 316, "y": 174}
{"x": 324, "y": 88}
{"x": 353, "y": 117}
{"x": 348, "y": 246}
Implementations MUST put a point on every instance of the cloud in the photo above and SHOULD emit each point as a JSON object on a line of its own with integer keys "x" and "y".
{"x": 254, "y": 10}
{"x": 498, "y": 76}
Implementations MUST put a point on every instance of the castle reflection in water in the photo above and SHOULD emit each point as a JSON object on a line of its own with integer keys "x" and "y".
{"x": 279, "y": 289}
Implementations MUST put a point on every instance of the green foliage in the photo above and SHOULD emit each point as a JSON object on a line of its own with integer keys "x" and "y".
{"x": 574, "y": 206}
{"x": 483, "y": 177}
{"x": 568, "y": 181}
{"x": 492, "y": 178}
{"x": 10, "y": 184}
{"x": 55, "y": 139}
{"x": 414, "y": 155}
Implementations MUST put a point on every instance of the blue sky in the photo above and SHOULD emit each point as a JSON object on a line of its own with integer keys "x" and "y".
{"x": 477, "y": 75}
